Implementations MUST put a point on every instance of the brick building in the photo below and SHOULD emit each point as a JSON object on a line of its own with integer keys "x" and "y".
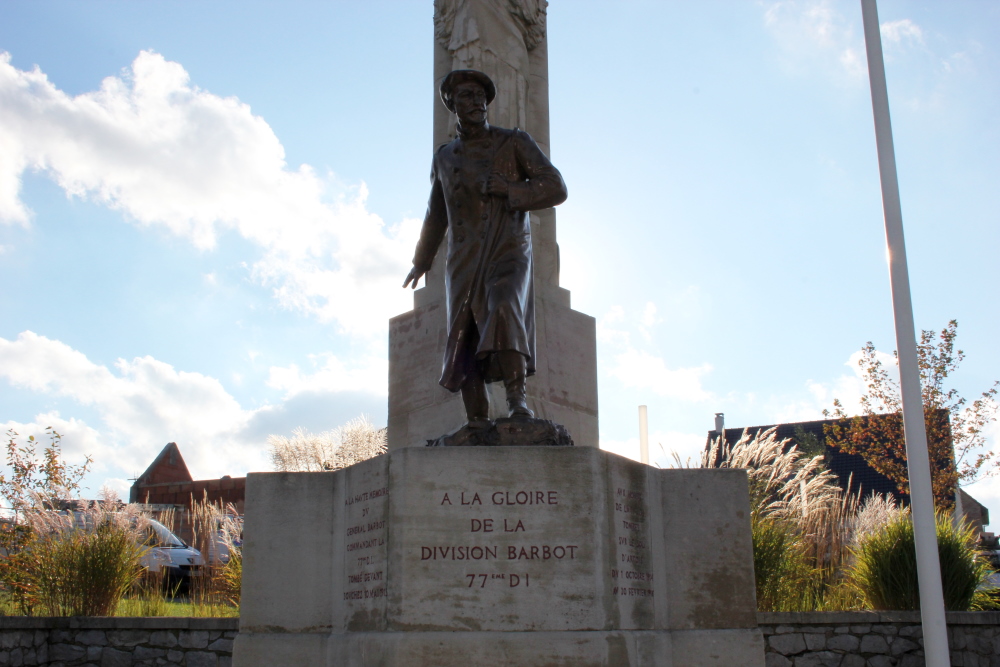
{"x": 167, "y": 482}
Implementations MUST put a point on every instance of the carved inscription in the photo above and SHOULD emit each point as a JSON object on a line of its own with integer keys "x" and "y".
{"x": 633, "y": 552}
{"x": 366, "y": 536}
{"x": 632, "y": 581}
{"x": 501, "y": 537}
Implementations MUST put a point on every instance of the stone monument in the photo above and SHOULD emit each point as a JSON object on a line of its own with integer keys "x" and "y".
{"x": 506, "y": 40}
{"x": 508, "y": 555}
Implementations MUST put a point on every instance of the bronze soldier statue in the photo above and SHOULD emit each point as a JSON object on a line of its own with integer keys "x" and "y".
{"x": 483, "y": 183}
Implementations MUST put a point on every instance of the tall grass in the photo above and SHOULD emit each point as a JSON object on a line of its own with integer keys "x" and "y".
{"x": 801, "y": 519}
{"x": 80, "y": 563}
{"x": 885, "y": 568}
{"x": 816, "y": 547}
{"x": 356, "y": 441}
{"x": 214, "y": 530}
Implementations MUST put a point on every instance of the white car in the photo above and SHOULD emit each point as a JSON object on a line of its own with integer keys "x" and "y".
{"x": 169, "y": 554}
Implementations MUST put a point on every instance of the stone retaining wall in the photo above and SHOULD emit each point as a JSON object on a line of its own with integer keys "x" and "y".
{"x": 117, "y": 642}
{"x": 874, "y": 639}
{"x": 794, "y": 639}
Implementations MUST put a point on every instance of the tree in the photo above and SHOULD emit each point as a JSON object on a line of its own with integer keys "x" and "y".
{"x": 39, "y": 481}
{"x": 955, "y": 439}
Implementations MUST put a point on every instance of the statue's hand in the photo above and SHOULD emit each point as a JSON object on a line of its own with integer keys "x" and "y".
{"x": 414, "y": 277}
{"x": 497, "y": 185}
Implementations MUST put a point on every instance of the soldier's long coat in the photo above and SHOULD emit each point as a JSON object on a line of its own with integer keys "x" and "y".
{"x": 488, "y": 272}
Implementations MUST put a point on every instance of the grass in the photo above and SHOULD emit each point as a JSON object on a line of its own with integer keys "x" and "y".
{"x": 176, "y": 607}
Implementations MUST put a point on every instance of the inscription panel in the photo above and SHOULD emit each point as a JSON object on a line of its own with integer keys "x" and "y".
{"x": 631, "y": 572}
{"x": 511, "y": 546}
{"x": 365, "y": 539}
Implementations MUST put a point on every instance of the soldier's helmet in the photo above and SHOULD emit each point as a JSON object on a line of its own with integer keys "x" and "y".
{"x": 458, "y": 76}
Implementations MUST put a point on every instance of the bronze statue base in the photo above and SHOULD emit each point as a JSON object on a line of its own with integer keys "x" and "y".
{"x": 507, "y": 432}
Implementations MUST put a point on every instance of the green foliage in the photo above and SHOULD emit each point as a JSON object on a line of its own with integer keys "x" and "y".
{"x": 785, "y": 578}
{"x": 885, "y": 568}
{"x": 36, "y": 480}
{"x": 232, "y": 578}
{"x": 809, "y": 444}
{"x": 17, "y": 568}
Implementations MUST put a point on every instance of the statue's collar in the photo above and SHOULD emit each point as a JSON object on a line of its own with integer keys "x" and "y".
{"x": 474, "y": 132}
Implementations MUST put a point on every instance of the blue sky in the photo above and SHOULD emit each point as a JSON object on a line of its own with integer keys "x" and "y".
{"x": 206, "y": 211}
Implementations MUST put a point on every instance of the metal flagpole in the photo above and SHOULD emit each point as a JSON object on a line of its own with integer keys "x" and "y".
{"x": 917, "y": 461}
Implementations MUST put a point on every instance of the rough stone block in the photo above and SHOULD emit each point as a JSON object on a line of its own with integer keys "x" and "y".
{"x": 901, "y": 645}
{"x": 874, "y": 644}
{"x": 845, "y": 643}
{"x": 115, "y": 658}
{"x": 63, "y": 652}
{"x": 163, "y": 638}
{"x": 789, "y": 644}
{"x": 202, "y": 659}
{"x": 221, "y": 645}
{"x": 147, "y": 653}
{"x": 881, "y": 661}
{"x": 91, "y": 638}
{"x": 776, "y": 660}
{"x": 193, "y": 639}
{"x": 815, "y": 641}
{"x": 818, "y": 659}
{"x": 128, "y": 637}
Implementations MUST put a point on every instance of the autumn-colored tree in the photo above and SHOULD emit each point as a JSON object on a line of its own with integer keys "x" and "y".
{"x": 955, "y": 428}
{"x": 39, "y": 481}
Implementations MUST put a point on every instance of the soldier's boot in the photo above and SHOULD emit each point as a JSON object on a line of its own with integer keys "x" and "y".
{"x": 513, "y": 365}
{"x": 477, "y": 401}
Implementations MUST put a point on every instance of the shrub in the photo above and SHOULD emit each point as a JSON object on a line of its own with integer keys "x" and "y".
{"x": 885, "y": 567}
{"x": 82, "y": 564}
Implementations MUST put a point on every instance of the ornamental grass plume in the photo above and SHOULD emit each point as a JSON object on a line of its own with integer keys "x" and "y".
{"x": 356, "y": 441}
{"x": 82, "y": 563}
{"x": 801, "y": 521}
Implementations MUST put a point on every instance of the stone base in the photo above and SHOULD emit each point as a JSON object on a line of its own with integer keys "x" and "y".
{"x": 519, "y": 556}
{"x": 623, "y": 648}
{"x": 508, "y": 432}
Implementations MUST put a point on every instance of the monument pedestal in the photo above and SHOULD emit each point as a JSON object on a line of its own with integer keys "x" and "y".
{"x": 520, "y": 556}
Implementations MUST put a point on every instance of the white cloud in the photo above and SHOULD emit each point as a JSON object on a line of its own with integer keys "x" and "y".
{"x": 369, "y": 374}
{"x": 143, "y": 404}
{"x": 639, "y": 369}
{"x": 815, "y": 34}
{"x": 166, "y": 153}
{"x": 903, "y": 31}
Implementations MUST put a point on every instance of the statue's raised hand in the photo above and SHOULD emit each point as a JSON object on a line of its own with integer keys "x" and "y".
{"x": 413, "y": 276}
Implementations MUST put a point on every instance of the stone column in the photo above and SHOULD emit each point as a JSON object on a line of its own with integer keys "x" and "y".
{"x": 506, "y": 39}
